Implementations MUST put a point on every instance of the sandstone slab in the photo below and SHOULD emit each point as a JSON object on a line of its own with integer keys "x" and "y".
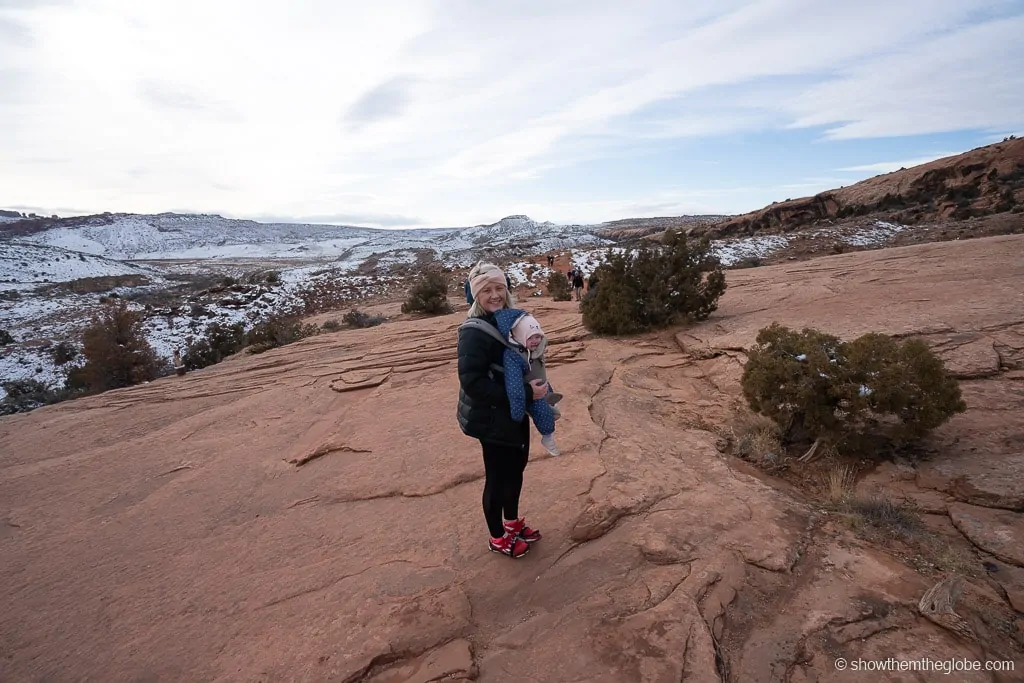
{"x": 998, "y": 532}
{"x": 313, "y": 513}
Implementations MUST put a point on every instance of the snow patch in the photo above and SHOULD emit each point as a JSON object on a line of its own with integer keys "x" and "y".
{"x": 23, "y": 263}
{"x": 731, "y": 252}
{"x": 881, "y": 232}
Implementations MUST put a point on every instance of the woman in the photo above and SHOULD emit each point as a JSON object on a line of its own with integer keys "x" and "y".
{"x": 485, "y": 414}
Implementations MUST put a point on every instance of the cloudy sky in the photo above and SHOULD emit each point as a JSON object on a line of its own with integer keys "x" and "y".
{"x": 406, "y": 113}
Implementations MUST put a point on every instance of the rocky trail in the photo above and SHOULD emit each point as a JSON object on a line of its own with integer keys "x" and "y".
{"x": 313, "y": 513}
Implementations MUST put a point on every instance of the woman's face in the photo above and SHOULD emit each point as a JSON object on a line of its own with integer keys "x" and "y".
{"x": 492, "y": 297}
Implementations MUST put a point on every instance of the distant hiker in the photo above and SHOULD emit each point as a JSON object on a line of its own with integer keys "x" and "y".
{"x": 577, "y": 284}
{"x": 179, "y": 367}
{"x": 485, "y": 412}
{"x": 469, "y": 294}
{"x": 551, "y": 260}
{"x": 524, "y": 360}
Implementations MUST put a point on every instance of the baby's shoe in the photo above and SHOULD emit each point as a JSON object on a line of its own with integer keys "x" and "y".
{"x": 548, "y": 441}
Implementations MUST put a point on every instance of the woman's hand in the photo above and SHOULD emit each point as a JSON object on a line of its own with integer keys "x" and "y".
{"x": 540, "y": 389}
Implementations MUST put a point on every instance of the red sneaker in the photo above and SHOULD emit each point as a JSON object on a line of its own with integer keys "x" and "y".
{"x": 510, "y": 545}
{"x": 518, "y": 528}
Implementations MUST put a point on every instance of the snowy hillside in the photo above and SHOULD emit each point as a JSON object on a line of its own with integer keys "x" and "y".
{"x": 173, "y": 236}
{"x": 28, "y": 264}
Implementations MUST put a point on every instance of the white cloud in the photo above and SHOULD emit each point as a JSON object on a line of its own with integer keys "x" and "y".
{"x": 429, "y": 108}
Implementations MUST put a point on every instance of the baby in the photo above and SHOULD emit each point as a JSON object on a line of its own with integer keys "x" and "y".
{"x": 524, "y": 363}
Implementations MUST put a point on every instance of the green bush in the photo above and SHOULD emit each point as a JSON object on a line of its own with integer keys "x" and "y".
{"x": 116, "y": 351}
{"x": 654, "y": 287}
{"x": 24, "y": 395}
{"x": 815, "y": 386}
{"x": 278, "y": 331}
{"x": 218, "y": 342}
{"x": 429, "y": 295}
{"x": 558, "y": 286}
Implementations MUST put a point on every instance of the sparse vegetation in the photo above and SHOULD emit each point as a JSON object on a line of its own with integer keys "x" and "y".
{"x": 6, "y": 338}
{"x": 357, "y": 318}
{"x": 96, "y": 285}
{"x": 327, "y": 293}
{"x": 816, "y": 387}
{"x": 278, "y": 331}
{"x": 884, "y": 515}
{"x": 116, "y": 351}
{"x": 24, "y": 395}
{"x": 839, "y": 483}
{"x": 429, "y": 295}
{"x": 756, "y": 439}
{"x": 558, "y": 286}
{"x": 653, "y": 287}
{"x": 330, "y": 326}
{"x": 218, "y": 342}
{"x": 64, "y": 352}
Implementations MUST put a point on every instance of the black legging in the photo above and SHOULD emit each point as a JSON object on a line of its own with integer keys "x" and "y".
{"x": 503, "y": 468}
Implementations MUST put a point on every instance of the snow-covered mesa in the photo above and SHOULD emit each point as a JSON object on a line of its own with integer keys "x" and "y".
{"x": 173, "y": 236}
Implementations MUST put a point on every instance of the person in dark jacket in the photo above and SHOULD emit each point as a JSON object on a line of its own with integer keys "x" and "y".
{"x": 577, "y": 283}
{"x": 469, "y": 294}
{"x": 484, "y": 413}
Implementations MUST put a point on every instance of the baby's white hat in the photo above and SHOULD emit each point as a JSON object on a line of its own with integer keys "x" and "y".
{"x": 526, "y": 327}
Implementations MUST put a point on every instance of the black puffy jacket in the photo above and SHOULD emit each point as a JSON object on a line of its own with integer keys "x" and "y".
{"x": 484, "y": 412}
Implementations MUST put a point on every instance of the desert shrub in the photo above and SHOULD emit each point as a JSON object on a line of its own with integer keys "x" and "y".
{"x": 885, "y": 514}
{"x": 273, "y": 278}
{"x": 428, "y": 295}
{"x": 357, "y": 318}
{"x": 652, "y": 287}
{"x": 330, "y": 326}
{"x": 815, "y": 386}
{"x": 328, "y": 292}
{"x": 10, "y": 295}
{"x": 116, "y": 351}
{"x": 756, "y": 439}
{"x": 5, "y": 338}
{"x": 558, "y": 286}
{"x": 64, "y": 352}
{"x": 217, "y": 343}
{"x": 278, "y": 331}
{"x": 1006, "y": 201}
{"x": 24, "y": 395}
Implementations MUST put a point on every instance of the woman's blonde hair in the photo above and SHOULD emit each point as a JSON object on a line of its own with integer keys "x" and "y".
{"x": 475, "y": 309}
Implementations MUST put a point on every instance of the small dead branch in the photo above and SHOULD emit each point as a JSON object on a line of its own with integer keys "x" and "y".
{"x": 938, "y": 605}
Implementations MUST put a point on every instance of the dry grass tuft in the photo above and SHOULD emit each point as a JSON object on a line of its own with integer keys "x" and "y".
{"x": 839, "y": 484}
{"x": 885, "y": 516}
{"x": 757, "y": 439}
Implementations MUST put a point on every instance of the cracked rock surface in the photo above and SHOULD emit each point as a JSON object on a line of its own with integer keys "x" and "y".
{"x": 313, "y": 513}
